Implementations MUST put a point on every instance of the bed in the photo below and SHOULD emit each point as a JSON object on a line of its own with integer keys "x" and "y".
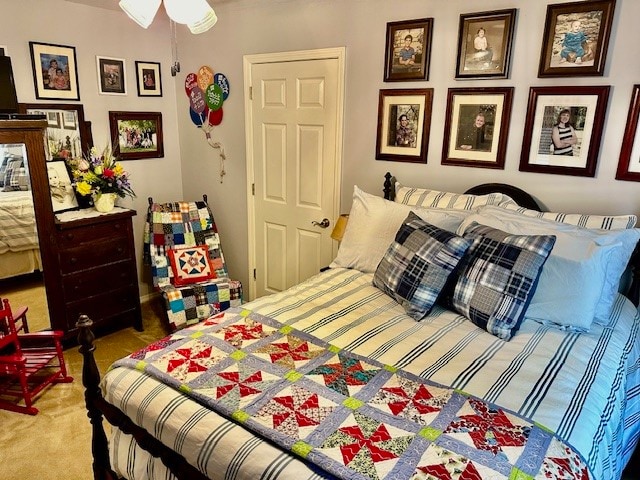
{"x": 19, "y": 250}
{"x": 363, "y": 372}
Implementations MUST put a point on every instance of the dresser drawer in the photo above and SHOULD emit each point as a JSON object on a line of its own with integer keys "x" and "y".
{"x": 98, "y": 280}
{"x": 88, "y": 234}
{"x": 101, "y": 307}
{"x": 98, "y": 252}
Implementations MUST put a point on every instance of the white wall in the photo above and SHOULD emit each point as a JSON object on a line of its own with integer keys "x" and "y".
{"x": 255, "y": 26}
{"x": 97, "y": 31}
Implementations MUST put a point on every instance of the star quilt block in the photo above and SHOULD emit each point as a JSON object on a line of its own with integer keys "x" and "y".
{"x": 191, "y": 265}
{"x": 290, "y": 352}
{"x": 412, "y": 400}
{"x": 366, "y": 445}
{"x": 295, "y": 412}
{"x": 189, "y": 360}
{"x": 344, "y": 374}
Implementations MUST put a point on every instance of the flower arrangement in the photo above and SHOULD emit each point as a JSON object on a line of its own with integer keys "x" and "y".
{"x": 100, "y": 173}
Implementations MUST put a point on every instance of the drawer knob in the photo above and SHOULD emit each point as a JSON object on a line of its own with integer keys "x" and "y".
{"x": 73, "y": 260}
{"x": 117, "y": 226}
{"x": 120, "y": 249}
{"x": 69, "y": 236}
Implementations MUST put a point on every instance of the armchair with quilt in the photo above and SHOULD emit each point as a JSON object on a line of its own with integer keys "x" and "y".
{"x": 182, "y": 247}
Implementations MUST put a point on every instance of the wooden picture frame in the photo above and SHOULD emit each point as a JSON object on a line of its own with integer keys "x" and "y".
{"x": 485, "y": 42}
{"x": 63, "y": 195}
{"x": 4, "y": 52}
{"x": 408, "y": 50}
{"x": 53, "y": 119}
{"x": 136, "y": 135}
{"x": 55, "y": 72}
{"x": 578, "y": 145}
{"x": 112, "y": 76}
{"x": 576, "y": 38}
{"x": 477, "y": 127}
{"x": 629, "y": 162}
{"x": 148, "y": 79}
{"x": 408, "y": 141}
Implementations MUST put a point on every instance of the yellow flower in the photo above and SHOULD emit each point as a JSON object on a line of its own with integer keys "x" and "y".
{"x": 83, "y": 188}
{"x": 98, "y": 170}
{"x": 118, "y": 170}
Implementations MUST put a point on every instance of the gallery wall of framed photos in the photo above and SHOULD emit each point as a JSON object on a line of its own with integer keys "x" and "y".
{"x": 564, "y": 123}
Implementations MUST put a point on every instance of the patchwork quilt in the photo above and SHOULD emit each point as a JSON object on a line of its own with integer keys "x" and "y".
{"x": 187, "y": 224}
{"x": 349, "y": 414}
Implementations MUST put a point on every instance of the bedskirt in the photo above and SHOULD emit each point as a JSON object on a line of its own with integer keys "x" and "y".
{"x": 582, "y": 386}
{"x": 19, "y": 263}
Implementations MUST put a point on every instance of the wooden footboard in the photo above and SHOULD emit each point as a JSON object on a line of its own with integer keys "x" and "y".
{"x": 98, "y": 407}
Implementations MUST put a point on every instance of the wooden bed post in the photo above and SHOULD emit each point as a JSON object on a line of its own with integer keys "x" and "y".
{"x": 389, "y": 187}
{"x": 91, "y": 381}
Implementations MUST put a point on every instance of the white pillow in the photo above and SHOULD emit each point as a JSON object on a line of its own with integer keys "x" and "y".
{"x": 601, "y": 222}
{"x": 423, "y": 197}
{"x": 579, "y": 281}
{"x": 372, "y": 226}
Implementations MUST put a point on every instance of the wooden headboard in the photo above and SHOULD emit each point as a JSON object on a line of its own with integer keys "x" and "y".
{"x": 524, "y": 199}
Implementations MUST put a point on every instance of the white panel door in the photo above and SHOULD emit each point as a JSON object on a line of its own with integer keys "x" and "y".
{"x": 294, "y": 146}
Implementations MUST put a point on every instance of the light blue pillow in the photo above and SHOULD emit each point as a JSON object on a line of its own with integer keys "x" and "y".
{"x": 579, "y": 282}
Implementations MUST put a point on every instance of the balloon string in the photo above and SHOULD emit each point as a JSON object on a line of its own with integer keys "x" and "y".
{"x": 218, "y": 145}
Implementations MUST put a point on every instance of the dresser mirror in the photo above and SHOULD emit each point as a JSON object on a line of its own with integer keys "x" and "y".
{"x": 68, "y": 135}
{"x": 25, "y": 195}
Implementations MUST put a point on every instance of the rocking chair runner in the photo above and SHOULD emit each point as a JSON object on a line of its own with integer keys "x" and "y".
{"x": 28, "y": 363}
{"x": 182, "y": 247}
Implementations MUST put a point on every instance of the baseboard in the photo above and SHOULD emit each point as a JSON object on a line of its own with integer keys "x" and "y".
{"x": 149, "y": 297}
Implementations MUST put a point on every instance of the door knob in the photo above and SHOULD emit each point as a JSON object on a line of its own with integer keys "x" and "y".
{"x": 323, "y": 224}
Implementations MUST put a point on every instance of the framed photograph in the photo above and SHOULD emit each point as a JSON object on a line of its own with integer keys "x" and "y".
{"x": 53, "y": 119}
{"x": 55, "y": 72}
{"x": 63, "y": 197}
{"x": 408, "y": 50}
{"x": 404, "y": 118}
{"x": 111, "y": 76}
{"x": 477, "y": 127}
{"x": 563, "y": 129}
{"x": 484, "y": 44}
{"x": 148, "y": 79}
{"x": 629, "y": 163}
{"x": 136, "y": 134}
{"x": 576, "y": 37}
{"x": 3, "y": 51}
{"x": 69, "y": 120}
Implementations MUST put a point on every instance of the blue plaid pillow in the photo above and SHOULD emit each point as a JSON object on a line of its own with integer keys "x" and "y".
{"x": 416, "y": 266}
{"x": 497, "y": 278}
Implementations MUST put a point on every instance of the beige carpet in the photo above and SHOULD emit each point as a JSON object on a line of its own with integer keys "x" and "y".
{"x": 55, "y": 444}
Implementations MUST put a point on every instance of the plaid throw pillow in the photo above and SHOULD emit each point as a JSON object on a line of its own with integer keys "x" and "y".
{"x": 497, "y": 278}
{"x": 416, "y": 266}
{"x": 190, "y": 265}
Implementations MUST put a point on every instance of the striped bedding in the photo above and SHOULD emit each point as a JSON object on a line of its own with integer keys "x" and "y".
{"x": 583, "y": 386}
{"x": 17, "y": 222}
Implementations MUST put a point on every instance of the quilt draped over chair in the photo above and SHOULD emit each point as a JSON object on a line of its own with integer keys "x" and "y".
{"x": 182, "y": 247}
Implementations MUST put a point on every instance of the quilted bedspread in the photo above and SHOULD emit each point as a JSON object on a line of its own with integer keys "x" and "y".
{"x": 351, "y": 415}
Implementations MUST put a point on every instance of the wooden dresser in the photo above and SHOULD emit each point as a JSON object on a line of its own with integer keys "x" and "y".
{"x": 97, "y": 273}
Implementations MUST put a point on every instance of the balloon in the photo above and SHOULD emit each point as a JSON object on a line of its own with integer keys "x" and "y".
{"x": 205, "y": 77}
{"x": 190, "y": 83}
{"x": 215, "y": 117}
{"x": 214, "y": 96}
{"x": 221, "y": 80}
{"x": 196, "y": 100}
{"x": 197, "y": 118}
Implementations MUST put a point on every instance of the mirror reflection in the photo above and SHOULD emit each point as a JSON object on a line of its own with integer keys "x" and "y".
{"x": 63, "y": 133}
{"x": 19, "y": 252}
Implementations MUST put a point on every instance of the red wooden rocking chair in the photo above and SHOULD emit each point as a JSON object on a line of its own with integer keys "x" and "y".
{"x": 28, "y": 363}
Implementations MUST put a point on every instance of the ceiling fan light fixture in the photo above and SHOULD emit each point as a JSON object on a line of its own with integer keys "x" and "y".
{"x": 205, "y": 23}
{"x": 140, "y": 11}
